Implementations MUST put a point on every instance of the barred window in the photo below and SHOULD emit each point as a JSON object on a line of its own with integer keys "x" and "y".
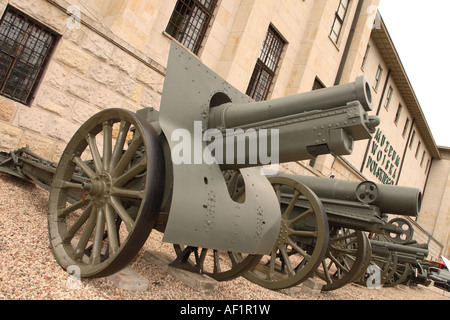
{"x": 266, "y": 65}
{"x": 25, "y": 47}
{"x": 339, "y": 20}
{"x": 190, "y": 21}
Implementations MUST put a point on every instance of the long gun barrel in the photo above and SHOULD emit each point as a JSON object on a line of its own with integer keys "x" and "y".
{"x": 308, "y": 124}
{"x": 404, "y": 252}
{"x": 404, "y": 201}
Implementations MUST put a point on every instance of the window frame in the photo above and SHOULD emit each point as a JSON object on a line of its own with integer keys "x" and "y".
{"x": 405, "y": 129}
{"x": 264, "y": 73}
{"x": 419, "y": 144}
{"x": 186, "y": 24}
{"x": 412, "y": 139}
{"x": 389, "y": 94}
{"x": 366, "y": 56}
{"x": 339, "y": 20}
{"x": 27, "y": 60}
{"x": 398, "y": 113}
{"x": 378, "y": 77}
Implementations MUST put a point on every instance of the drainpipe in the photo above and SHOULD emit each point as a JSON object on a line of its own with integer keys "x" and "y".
{"x": 349, "y": 42}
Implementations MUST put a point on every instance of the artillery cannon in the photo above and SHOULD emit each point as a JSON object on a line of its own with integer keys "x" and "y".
{"x": 123, "y": 174}
{"x": 352, "y": 210}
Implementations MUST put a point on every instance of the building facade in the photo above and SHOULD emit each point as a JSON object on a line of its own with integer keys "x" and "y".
{"x": 61, "y": 62}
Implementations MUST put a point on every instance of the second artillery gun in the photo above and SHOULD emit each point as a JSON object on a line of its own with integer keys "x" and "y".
{"x": 360, "y": 235}
{"x": 123, "y": 174}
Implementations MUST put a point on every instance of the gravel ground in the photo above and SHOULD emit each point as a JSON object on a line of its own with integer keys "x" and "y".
{"x": 28, "y": 270}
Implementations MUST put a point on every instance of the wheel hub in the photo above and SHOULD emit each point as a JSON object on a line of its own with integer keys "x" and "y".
{"x": 99, "y": 189}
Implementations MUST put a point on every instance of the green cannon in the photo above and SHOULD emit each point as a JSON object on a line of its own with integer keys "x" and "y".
{"x": 352, "y": 210}
{"x": 124, "y": 174}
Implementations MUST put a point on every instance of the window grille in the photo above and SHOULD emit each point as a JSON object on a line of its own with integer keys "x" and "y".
{"x": 266, "y": 65}
{"x": 25, "y": 48}
{"x": 190, "y": 21}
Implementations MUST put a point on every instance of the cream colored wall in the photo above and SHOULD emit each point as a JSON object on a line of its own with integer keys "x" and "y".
{"x": 435, "y": 214}
{"x": 87, "y": 73}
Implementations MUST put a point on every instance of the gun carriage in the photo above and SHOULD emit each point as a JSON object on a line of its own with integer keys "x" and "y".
{"x": 192, "y": 170}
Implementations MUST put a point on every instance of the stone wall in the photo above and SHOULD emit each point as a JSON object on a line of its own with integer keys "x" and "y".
{"x": 91, "y": 69}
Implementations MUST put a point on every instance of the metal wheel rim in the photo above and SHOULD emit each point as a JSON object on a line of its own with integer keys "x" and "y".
{"x": 220, "y": 268}
{"x": 103, "y": 206}
{"x": 267, "y": 276}
{"x": 407, "y": 234}
{"x": 345, "y": 257}
{"x": 401, "y": 274}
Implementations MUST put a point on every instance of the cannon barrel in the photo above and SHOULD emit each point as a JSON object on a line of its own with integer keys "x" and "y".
{"x": 299, "y": 127}
{"x": 404, "y": 201}
{"x": 379, "y": 246}
{"x": 236, "y": 116}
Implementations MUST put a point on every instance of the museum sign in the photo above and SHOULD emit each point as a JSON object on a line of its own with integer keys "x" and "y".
{"x": 384, "y": 160}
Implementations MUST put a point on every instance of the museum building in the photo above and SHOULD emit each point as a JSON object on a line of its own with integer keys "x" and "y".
{"x": 62, "y": 62}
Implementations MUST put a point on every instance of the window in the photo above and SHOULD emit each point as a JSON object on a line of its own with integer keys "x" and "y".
{"x": 405, "y": 129}
{"x": 366, "y": 55}
{"x": 339, "y": 20}
{"x": 378, "y": 77}
{"x": 423, "y": 159}
{"x": 418, "y": 149}
{"x": 388, "y": 98}
{"x": 266, "y": 65}
{"x": 190, "y": 21}
{"x": 412, "y": 139}
{"x": 317, "y": 84}
{"x": 428, "y": 166}
{"x": 25, "y": 48}
{"x": 397, "y": 115}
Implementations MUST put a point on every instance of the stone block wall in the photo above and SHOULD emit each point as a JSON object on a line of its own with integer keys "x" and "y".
{"x": 90, "y": 70}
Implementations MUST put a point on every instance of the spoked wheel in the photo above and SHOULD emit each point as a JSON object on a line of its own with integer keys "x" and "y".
{"x": 381, "y": 267}
{"x": 400, "y": 275}
{"x": 302, "y": 242}
{"x": 220, "y": 265}
{"x": 345, "y": 258}
{"x": 118, "y": 158}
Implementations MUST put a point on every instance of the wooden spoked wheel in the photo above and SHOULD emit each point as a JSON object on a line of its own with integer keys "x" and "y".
{"x": 302, "y": 241}
{"x": 346, "y": 256}
{"x": 220, "y": 265}
{"x": 106, "y": 193}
